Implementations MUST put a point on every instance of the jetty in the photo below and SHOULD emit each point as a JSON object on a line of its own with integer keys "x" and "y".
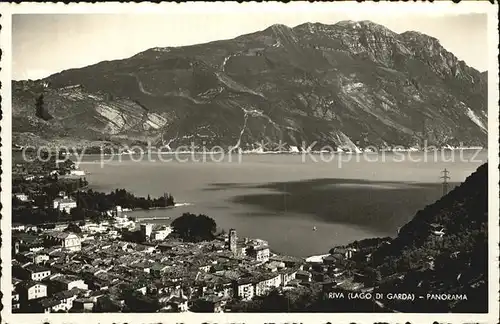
{"x": 153, "y": 218}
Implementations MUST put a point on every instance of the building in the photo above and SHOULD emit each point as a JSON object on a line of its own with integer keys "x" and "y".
{"x": 267, "y": 283}
{"x": 146, "y": 230}
{"x": 260, "y": 253}
{"x": 62, "y": 301}
{"x": 80, "y": 173}
{"x": 22, "y": 197}
{"x": 178, "y": 304}
{"x": 329, "y": 259}
{"x": 244, "y": 289}
{"x": 16, "y": 247}
{"x": 205, "y": 268}
{"x": 337, "y": 272}
{"x": 64, "y": 203}
{"x": 36, "y": 272}
{"x": 256, "y": 242}
{"x": 437, "y": 230}
{"x": 161, "y": 233}
{"x": 65, "y": 283}
{"x": 40, "y": 258}
{"x": 211, "y": 304}
{"x": 18, "y": 227}
{"x": 123, "y": 222}
{"x": 304, "y": 276}
{"x": 16, "y": 304}
{"x": 94, "y": 228}
{"x": 233, "y": 241}
{"x": 83, "y": 304}
{"x": 29, "y": 290}
{"x": 69, "y": 241}
{"x": 345, "y": 252}
{"x": 287, "y": 275}
{"x": 157, "y": 269}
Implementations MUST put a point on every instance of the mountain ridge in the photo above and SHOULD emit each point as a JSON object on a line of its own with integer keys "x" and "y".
{"x": 347, "y": 85}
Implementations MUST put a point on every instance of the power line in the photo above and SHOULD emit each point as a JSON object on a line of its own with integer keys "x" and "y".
{"x": 445, "y": 178}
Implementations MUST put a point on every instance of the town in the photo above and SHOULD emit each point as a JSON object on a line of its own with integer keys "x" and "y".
{"x": 95, "y": 270}
{"x": 115, "y": 263}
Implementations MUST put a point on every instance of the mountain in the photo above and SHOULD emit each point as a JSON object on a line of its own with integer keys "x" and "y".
{"x": 347, "y": 85}
{"x": 442, "y": 250}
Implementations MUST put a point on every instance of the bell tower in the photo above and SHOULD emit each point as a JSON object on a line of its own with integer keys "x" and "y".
{"x": 233, "y": 240}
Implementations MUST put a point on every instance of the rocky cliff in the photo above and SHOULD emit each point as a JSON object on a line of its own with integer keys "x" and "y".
{"x": 348, "y": 85}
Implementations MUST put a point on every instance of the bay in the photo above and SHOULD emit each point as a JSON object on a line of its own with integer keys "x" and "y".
{"x": 281, "y": 198}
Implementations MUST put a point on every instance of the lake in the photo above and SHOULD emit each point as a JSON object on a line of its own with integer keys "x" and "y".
{"x": 281, "y": 197}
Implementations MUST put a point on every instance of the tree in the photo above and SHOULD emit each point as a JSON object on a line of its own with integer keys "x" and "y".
{"x": 77, "y": 214}
{"x": 40, "y": 109}
{"x": 138, "y": 303}
{"x": 194, "y": 228}
{"x": 275, "y": 302}
{"x": 40, "y": 201}
{"x": 106, "y": 305}
{"x": 169, "y": 199}
{"x": 82, "y": 182}
{"x": 16, "y": 202}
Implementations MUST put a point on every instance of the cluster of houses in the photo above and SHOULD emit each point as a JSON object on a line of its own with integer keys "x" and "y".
{"x": 60, "y": 271}
{"x": 33, "y": 171}
{"x": 30, "y": 172}
{"x": 62, "y": 202}
{"x": 100, "y": 269}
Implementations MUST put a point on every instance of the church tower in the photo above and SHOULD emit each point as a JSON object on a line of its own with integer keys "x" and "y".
{"x": 233, "y": 240}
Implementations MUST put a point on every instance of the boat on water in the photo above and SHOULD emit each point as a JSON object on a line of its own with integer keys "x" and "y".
{"x": 314, "y": 228}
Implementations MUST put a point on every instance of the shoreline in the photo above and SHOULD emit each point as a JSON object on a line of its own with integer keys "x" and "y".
{"x": 131, "y": 210}
{"x": 316, "y": 258}
{"x": 255, "y": 152}
{"x": 135, "y": 210}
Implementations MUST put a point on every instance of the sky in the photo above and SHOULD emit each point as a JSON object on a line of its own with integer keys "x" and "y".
{"x": 44, "y": 44}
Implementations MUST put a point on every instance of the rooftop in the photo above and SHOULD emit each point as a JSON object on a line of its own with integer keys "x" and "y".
{"x": 64, "y": 200}
{"x": 66, "y": 279}
{"x": 30, "y": 283}
{"x": 212, "y": 298}
{"x": 48, "y": 302}
{"x": 62, "y": 235}
{"x": 36, "y": 268}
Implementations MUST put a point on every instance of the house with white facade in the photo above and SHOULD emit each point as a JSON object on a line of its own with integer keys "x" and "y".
{"x": 69, "y": 241}
{"x": 22, "y": 197}
{"x": 244, "y": 289}
{"x": 29, "y": 290}
{"x": 36, "y": 272}
{"x": 266, "y": 284}
{"x": 64, "y": 203}
{"x": 161, "y": 233}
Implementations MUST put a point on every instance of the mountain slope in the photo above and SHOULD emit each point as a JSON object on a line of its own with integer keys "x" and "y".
{"x": 423, "y": 261}
{"x": 345, "y": 85}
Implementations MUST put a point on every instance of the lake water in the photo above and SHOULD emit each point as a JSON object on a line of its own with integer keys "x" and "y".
{"x": 281, "y": 197}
